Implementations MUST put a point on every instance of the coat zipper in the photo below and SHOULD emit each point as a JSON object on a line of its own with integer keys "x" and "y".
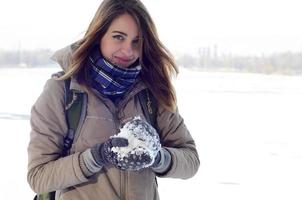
{"x": 124, "y": 184}
{"x": 123, "y": 174}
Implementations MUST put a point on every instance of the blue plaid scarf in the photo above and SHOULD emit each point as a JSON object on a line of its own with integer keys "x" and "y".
{"x": 108, "y": 79}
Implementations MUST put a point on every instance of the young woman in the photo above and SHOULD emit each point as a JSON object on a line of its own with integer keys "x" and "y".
{"x": 119, "y": 56}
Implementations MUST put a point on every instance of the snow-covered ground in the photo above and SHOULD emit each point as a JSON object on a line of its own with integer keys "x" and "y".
{"x": 247, "y": 128}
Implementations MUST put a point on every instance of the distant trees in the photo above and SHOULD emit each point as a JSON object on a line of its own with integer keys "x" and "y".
{"x": 25, "y": 58}
{"x": 281, "y": 63}
{"x": 206, "y": 59}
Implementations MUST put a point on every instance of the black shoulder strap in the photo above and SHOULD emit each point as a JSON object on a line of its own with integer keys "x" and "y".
{"x": 75, "y": 109}
{"x": 46, "y": 196}
{"x": 149, "y": 105}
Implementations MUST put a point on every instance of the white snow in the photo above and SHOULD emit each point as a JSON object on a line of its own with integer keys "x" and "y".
{"x": 247, "y": 129}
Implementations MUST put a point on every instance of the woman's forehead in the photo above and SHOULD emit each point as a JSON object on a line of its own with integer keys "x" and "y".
{"x": 126, "y": 24}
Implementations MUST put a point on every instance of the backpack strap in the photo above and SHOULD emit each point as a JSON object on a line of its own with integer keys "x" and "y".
{"x": 149, "y": 105}
{"x": 75, "y": 110}
{"x": 45, "y": 196}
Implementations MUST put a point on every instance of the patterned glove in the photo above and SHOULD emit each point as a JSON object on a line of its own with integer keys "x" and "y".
{"x": 102, "y": 153}
{"x": 135, "y": 162}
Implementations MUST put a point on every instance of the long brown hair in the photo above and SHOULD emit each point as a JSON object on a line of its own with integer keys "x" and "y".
{"x": 158, "y": 66}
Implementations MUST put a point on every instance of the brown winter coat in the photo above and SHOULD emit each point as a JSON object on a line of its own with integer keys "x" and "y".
{"x": 48, "y": 172}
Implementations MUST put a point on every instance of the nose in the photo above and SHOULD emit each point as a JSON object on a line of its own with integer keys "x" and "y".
{"x": 127, "y": 49}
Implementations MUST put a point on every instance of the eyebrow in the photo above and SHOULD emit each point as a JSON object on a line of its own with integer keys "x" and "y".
{"x": 122, "y": 33}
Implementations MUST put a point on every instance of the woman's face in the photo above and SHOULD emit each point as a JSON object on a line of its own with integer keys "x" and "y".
{"x": 120, "y": 44}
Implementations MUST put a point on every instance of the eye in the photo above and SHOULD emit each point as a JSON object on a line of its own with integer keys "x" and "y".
{"x": 118, "y": 37}
{"x": 135, "y": 42}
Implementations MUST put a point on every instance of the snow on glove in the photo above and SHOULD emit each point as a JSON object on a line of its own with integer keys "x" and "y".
{"x": 103, "y": 154}
{"x": 143, "y": 145}
{"x": 135, "y": 162}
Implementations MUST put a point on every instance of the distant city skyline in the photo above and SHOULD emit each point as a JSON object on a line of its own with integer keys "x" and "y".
{"x": 235, "y": 26}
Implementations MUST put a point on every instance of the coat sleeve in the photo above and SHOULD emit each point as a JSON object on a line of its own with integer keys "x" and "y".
{"x": 47, "y": 171}
{"x": 176, "y": 138}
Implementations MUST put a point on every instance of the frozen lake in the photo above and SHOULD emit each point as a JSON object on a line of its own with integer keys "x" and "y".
{"x": 247, "y": 128}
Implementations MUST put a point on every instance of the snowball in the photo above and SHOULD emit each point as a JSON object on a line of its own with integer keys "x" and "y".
{"x": 142, "y": 138}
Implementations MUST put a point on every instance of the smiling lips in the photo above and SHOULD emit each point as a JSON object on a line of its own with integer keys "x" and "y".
{"x": 122, "y": 60}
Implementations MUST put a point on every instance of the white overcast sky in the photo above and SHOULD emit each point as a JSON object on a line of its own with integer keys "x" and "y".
{"x": 235, "y": 26}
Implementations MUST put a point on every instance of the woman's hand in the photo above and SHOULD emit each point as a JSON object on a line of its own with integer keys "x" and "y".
{"x": 103, "y": 154}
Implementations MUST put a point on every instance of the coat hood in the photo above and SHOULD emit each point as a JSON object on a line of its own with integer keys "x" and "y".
{"x": 63, "y": 57}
